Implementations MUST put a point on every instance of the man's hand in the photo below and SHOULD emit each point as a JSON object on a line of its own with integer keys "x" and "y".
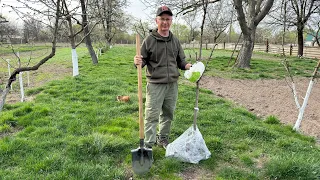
{"x": 188, "y": 66}
{"x": 137, "y": 60}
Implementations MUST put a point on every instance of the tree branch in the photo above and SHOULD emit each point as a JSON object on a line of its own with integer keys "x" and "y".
{"x": 241, "y": 17}
{"x": 87, "y": 33}
{"x": 263, "y": 12}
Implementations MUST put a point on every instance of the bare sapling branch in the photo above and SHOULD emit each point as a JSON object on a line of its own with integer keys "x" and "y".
{"x": 292, "y": 86}
{"x": 196, "y": 109}
{"x": 87, "y": 34}
{"x": 306, "y": 98}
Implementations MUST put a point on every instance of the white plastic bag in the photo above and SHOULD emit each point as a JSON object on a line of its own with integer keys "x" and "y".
{"x": 195, "y": 72}
{"x": 189, "y": 147}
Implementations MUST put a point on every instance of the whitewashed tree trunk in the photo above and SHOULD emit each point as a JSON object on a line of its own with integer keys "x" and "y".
{"x": 21, "y": 87}
{"x": 294, "y": 91}
{"x": 303, "y": 107}
{"x": 306, "y": 98}
{"x": 9, "y": 71}
{"x": 3, "y": 97}
{"x": 75, "y": 62}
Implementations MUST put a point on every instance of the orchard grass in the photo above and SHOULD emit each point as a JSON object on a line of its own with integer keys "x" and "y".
{"x": 8, "y": 48}
{"x": 263, "y": 65}
{"x": 76, "y": 129}
{"x": 55, "y": 68}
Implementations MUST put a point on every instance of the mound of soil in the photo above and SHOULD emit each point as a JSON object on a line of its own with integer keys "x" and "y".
{"x": 271, "y": 97}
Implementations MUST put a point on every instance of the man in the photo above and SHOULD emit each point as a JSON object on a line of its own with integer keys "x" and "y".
{"x": 162, "y": 53}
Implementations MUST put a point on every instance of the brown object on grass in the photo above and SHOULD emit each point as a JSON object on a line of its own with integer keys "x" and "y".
{"x": 123, "y": 98}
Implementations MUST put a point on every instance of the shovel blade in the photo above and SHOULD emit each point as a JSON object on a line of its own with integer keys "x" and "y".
{"x": 141, "y": 160}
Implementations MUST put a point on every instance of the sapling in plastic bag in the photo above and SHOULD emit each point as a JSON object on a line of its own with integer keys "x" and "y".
{"x": 189, "y": 147}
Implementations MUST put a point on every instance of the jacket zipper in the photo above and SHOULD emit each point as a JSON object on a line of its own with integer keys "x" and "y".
{"x": 167, "y": 61}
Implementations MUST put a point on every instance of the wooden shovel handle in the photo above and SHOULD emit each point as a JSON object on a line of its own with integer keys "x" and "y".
{"x": 141, "y": 125}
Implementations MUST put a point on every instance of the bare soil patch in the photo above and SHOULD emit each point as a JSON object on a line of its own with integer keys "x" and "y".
{"x": 43, "y": 75}
{"x": 271, "y": 97}
{"x": 196, "y": 173}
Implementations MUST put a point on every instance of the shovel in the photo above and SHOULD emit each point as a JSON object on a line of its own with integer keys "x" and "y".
{"x": 141, "y": 157}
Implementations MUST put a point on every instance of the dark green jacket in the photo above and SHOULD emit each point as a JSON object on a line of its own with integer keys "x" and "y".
{"x": 162, "y": 56}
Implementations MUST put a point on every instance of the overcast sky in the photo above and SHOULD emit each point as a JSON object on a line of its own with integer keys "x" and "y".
{"x": 136, "y": 8}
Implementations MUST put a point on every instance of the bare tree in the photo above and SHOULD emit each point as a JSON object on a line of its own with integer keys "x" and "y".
{"x": 70, "y": 13}
{"x": 303, "y": 9}
{"x": 193, "y": 24}
{"x": 298, "y": 14}
{"x": 12, "y": 78}
{"x": 7, "y": 31}
{"x": 219, "y": 19}
{"x": 181, "y": 6}
{"x": 284, "y": 13}
{"x": 314, "y": 28}
{"x": 69, "y": 16}
{"x": 189, "y": 9}
{"x": 86, "y": 30}
{"x": 205, "y": 4}
{"x": 317, "y": 35}
{"x": 110, "y": 12}
{"x": 256, "y": 11}
{"x": 141, "y": 28}
{"x": 31, "y": 29}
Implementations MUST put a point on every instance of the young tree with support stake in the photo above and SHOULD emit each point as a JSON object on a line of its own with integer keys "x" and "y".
{"x": 190, "y": 146}
{"x": 295, "y": 96}
{"x": 306, "y": 98}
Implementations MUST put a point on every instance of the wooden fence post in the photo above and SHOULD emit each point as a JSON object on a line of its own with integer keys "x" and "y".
{"x": 267, "y": 46}
{"x": 291, "y": 49}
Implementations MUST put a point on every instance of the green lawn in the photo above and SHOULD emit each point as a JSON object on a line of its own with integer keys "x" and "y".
{"x": 76, "y": 129}
{"x": 263, "y": 65}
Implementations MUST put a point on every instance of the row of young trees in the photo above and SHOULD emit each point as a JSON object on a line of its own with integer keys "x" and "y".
{"x": 79, "y": 19}
{"x": 103, "y": 21}
{"x": 111, "y": 24}
{"x": 64, "y": 19}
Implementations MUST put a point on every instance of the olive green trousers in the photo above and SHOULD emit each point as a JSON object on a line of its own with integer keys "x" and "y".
{"x": 159, "y": 110}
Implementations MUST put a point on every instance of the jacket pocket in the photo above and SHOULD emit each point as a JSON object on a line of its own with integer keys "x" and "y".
{"x": 159, "y": 72}
{"x": 174, "y": 72}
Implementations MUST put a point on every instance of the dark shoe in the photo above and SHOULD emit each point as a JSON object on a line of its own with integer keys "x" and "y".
{"x": 163, "y": 142}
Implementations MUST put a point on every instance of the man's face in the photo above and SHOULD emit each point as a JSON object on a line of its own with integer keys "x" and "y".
{"x": 164, "y": 22}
